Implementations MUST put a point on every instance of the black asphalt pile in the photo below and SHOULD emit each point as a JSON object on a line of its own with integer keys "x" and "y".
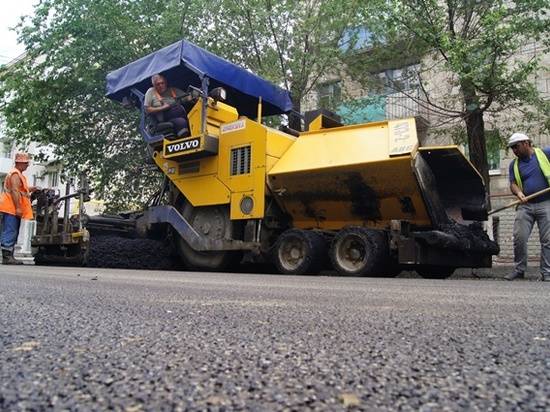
{"x": 119, "y": 252}
{"x": 474, "y": 235}
{"x": 460, "y": 237}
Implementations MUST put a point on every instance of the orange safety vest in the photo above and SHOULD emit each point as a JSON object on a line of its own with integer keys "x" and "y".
{"x": 7, "y": 205}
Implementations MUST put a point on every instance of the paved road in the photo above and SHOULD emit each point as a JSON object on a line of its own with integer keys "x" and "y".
{"x": 136, "y": 340}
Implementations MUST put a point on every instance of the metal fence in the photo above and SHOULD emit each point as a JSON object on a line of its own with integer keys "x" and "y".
{"x": 405, "y": 104}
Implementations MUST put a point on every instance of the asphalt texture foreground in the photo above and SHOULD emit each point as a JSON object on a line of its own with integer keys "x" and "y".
{"x": 94, "y": 339}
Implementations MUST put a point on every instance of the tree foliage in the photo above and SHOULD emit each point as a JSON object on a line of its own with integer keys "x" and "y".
{"x": 290, "y": 42}
{"x": 56, "y": 93}
{"x": 477, "y": 44}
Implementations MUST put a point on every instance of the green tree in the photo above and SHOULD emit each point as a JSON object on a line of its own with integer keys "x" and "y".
{"x": 478, "y": 44}
{"x": 55, "y": 95}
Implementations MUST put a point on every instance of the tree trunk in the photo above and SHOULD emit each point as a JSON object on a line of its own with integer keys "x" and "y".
{"x": 294, "y": 120}
{"x": 475, "y": 128}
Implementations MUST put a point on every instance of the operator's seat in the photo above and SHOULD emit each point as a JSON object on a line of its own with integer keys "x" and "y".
{"x": 161, "y": 129}
{"x": 166, "y": 129}
{"x": 153, "y": 131}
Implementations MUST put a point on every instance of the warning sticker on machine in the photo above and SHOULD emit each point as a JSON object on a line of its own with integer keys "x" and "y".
{"x": 232, "y": 127}
{"x": 402, "y": 137}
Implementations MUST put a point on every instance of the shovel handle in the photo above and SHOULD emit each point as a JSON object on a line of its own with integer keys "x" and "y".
{"x": 517, "y": 202}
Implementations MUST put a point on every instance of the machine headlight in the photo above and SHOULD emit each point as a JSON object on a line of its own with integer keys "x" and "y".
{"x": 218, "y": 94}
{"x": 247, "y": 204}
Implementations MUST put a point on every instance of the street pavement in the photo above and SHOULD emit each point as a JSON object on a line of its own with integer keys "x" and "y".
{"x": 97, "y": 339}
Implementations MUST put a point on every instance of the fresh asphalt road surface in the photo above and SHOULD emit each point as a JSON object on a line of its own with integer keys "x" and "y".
{"x": 93, "y": 339}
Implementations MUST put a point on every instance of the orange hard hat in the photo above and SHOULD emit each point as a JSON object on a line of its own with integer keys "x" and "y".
{"x": 22, "y": 158}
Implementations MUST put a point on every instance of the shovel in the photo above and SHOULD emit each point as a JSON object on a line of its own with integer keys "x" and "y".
{"x": 482, "y": 214}
{"x": 517, "y": 202}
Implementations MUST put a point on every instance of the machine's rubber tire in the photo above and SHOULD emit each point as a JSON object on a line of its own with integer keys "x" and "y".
{"x": 434, "y": 271}
{"x": 212, "y": 222}
{"x": 299, "y": 252}
{"x": 357, "y": 251}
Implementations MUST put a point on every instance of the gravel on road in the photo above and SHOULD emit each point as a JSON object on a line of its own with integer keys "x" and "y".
{"x": 96, "y": 339}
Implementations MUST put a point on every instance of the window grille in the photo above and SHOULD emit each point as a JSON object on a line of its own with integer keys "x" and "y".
{"x": 54, "y": 179}
{"x": 240, "y": 160}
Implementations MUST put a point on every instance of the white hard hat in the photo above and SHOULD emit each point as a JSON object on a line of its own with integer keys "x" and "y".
{"x": 517, "y": 137}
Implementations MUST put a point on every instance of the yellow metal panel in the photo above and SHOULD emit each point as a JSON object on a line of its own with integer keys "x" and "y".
{"x": 215, "y": 114}
{"x": 316, "y": 124}
{"x": 204, "y": 190}
{"x": 257, "y": 211}
{"x": 343, "y": 146}
{"x": 173, "y": 169}
{"x": 270, "y": 161}
{"x": 241, "y": 133}
{"x": 207, "y": 166}
{"x": 169, "y": 167}
{"x": 335, "y": 177}
{"x": 370, "y": 193}
{"x": 201, "y": 190}
{"x": 277, "y": 142}
{"x": 446, "y": 147}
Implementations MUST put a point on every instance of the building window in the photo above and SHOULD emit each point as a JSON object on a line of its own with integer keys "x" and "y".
{"x": 396, "y": 80}
{"x": 356, "y": 39}
{"x": 330, "y": 95}
{"x": 54, "y": 179}
{"x": 5, "y": 149}
{"x": 494, "y": 151}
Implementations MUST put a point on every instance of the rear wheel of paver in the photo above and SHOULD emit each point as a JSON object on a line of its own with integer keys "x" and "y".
{"x": 299, "y": 252}
{"x": 356, "y": 251}
{"x": 435, "y": 272}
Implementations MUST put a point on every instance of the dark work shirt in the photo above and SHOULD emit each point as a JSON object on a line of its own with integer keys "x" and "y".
{"x": 531, "y": 176}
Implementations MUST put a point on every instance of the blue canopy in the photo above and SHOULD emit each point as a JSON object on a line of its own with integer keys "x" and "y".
{"x": 184, "y": 63}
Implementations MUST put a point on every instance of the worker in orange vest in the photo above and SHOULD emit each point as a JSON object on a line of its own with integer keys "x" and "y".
{"x": 15, "y": 204}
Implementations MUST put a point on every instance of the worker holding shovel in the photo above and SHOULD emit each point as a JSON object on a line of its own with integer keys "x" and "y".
{"x": 529, "y": 175}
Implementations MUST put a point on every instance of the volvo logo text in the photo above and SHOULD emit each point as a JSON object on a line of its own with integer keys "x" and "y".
{"x": 183, "y": 146}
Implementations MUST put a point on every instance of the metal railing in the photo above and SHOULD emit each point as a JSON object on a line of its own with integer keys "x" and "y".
{"x": 405, "y": 104}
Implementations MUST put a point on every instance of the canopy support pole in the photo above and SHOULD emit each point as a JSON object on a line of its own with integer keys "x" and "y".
{"x": 204, "y": 87}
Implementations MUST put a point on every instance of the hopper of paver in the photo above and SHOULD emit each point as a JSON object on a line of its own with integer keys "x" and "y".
{"x": 372, "y": 174}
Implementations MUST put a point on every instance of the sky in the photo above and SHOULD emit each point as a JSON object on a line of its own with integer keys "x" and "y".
{"x": 11, "y": 11}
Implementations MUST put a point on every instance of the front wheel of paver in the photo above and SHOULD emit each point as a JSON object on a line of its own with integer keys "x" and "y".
{"x": 299, "y": 252}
